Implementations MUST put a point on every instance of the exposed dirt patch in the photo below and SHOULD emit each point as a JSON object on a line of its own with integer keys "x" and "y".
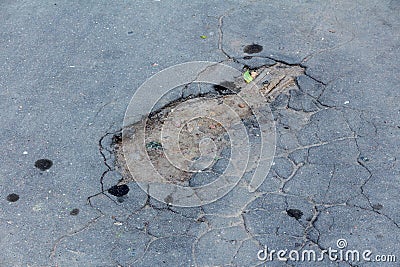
{"x": 170, "y": 122}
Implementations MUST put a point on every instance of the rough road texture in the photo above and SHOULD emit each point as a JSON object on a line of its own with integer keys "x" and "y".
{"x": 70, "y": 69}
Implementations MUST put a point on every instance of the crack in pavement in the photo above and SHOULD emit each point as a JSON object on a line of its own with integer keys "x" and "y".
{"x": 362, "y": 164}
{"x": 221, "y": 36}
{"x": 69, "y": 234}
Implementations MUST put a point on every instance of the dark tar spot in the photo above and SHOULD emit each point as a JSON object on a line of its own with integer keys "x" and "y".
{"x": 43, "y": 164}
{"x": 295, "y": 213}
{"x": 252, "y": 49}
{"x": 74, "y": 212}
{"x": 12, "y": 197}
{"x": 119, "y": 190}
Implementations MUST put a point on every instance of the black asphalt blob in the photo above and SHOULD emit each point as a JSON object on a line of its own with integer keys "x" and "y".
{"x": 119, "y": 190}
{"x": 74, "y": 212}
{"x": 252, "y": 49}
{"x": 43, "y": 164}
{"x": 295, "y": 213}
{"x": 12, "y": 197}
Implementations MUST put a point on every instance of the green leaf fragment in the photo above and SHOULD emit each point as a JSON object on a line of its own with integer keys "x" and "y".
{"x": 247, "y": 77}
{"x": 203, "y": 36}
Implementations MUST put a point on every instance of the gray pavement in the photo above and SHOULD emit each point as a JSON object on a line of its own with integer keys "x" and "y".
{"x": 69, "y": 69}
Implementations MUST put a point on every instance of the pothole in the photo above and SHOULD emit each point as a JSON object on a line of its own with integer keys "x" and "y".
{"x": 272, "y": 81}
{"x": 190, "y": 140}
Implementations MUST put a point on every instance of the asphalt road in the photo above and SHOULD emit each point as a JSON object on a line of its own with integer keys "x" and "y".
{"x": 69, "y": 69}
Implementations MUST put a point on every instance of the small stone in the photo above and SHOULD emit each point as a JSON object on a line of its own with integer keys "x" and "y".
{"x": 154, "y": 145}
{"x": 241, "y": 105}
{"x": 37, "y": 207}
{"x": 377, "y": 206}
{"x": 190, "y": 128}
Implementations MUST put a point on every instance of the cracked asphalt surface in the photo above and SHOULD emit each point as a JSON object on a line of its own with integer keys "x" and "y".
{"x": 69, "y": 69}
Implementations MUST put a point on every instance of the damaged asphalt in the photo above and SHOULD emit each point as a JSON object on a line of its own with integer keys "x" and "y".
{"x": 69, "y": 69}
